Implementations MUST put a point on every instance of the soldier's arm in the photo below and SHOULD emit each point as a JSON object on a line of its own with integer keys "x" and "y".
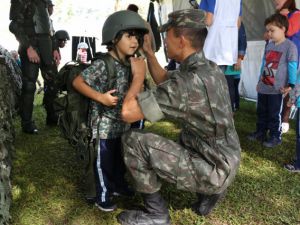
{"x": 158, "y": 73}
{"x": 17, "y": 11}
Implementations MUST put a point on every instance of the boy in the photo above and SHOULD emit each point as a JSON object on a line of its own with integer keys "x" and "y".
{"x": 278, "y": 77}
{"x": 122, "y": 33}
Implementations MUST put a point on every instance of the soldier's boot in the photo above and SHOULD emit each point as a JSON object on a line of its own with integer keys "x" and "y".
{"x": 156, "y": 212}
{"x": 206, "y": 203}
{"x": 29, "y": 127}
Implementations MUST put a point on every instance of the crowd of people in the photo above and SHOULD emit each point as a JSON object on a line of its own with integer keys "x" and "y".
{"x": 201, "y": 94}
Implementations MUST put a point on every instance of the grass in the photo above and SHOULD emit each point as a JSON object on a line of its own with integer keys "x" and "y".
{"x": 47, "y": 187}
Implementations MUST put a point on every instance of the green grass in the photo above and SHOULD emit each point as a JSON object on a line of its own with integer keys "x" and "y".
{"x": 47, "y": 186}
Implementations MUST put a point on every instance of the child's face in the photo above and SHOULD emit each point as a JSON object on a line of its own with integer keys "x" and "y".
{"x": 275, "y": 33}
{"x": 127, "y": 45}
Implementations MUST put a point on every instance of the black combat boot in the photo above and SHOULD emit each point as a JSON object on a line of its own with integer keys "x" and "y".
{"x": 29, "y": 127}
{"x": 206, "y": 203}
{"x": 156, "y": 212}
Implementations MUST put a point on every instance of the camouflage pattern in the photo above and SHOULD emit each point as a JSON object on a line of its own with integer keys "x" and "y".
{"x": 109, "y": 118}
{"x": 10, "y": 87}
{"x": 207, "y": 156}
{"x": 188, "y": 18}
{"x": 30, "y": 23}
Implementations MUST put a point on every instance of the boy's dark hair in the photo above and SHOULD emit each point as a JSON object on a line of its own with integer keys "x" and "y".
{"x": 133, "y": 7}
{"x": 278, "y": 20}
{"x": 194, "y": 35}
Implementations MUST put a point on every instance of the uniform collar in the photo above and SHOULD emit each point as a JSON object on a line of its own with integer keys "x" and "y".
{"x": 193, "y": 60}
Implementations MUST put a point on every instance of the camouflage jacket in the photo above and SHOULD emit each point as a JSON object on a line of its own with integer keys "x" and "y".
{"x": 29, "y": 18}
{"x": 197, "y": 96}
{"x": 108, "y": 118}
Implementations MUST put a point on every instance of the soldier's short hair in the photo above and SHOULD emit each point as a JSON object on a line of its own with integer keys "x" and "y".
{"x": 194, "y": 35}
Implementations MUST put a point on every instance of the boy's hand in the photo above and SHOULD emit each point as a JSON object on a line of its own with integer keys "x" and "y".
{"x": 138, "y": 68}
{"x": 284, "y": 91}
{"x": 108, "y": 99}
{"x": 33, "y": 55}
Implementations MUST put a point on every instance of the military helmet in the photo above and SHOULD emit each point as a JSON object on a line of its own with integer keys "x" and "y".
{"x": 62, "y": 35}
{"x": 50, "y": 3}
{"x": 82, "y": 45}
{"x": 119, "y": 21}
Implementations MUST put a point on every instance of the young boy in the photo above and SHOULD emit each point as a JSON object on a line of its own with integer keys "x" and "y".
{"x": 122, "y": 33}
{"x": 278, "y": 77}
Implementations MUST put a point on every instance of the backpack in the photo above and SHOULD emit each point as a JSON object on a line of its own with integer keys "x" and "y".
{"x": 72, "y": 109}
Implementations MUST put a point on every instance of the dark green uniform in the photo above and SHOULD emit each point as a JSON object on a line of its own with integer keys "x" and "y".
{"x": 207, "y": 156}
{"x": 31, "y": 25}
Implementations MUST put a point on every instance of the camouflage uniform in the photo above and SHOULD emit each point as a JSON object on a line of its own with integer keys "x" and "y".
{"x": 31, "y": 26}
{"x": 10, "y": 88}
{"x": 207, "y": 156}
{"x": 108, "y": 118}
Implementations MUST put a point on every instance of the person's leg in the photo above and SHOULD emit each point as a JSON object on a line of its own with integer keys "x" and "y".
{"x": 29, "y": 76}
{"x": 104, "y": 168}
{"x": 120, "y": 184}
{"x": 237, "y": 94}
{"x": 295, "y": 166}
{"x": 262, "y": 118}
{"x": 49, "y": 73}
{"x": 230, "y": 83}
{"x": 285, "y": 114}
{"x": 275, "y": 103}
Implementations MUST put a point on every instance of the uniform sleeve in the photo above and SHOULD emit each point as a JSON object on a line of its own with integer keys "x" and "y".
{"x": 294, "y": 24}
{"x": 96, "y": 75}
{"x": 167, "y": 100}
{"x": 292, "y": 64}
{"x": 17, "y": 17}
{"x": 208, "y": 5}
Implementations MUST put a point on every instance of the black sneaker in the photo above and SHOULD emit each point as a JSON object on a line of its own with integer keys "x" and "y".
{"x": 292, "y": 168}
{"x": 138, "y": 217}
{"x": 107, "y": 206}
{"x": 272, "y": 142}
{"x": 206, "y": 203}
{"x": 29, "y": 128}
{"x": 256, "y": 136}
{"x": 125, "y": 191}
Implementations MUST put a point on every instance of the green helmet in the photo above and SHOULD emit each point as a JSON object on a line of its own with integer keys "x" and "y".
{"x": 62, "y": 35}
{"x": 119, "y": 21}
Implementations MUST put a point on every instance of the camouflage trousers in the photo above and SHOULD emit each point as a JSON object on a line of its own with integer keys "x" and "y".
{"x": 150, "y": 158}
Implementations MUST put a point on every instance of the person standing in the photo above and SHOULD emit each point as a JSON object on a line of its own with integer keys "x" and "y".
{"x": 207, "y": 155}
{"x": 221, "y": 44}
{"x": 122, "y": 33}
{"x": 288, "y": 9}
{"x": 30, "y": 23}
{"x": 278, "y": 76}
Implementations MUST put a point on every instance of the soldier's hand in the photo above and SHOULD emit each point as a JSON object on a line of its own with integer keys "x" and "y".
{"x": 56, "y": 57}
{"x": 108, "y": 99}
{"x": 147, "y": 45}
{"x": 32, "y": 55}
{"x": 138, "y": 67}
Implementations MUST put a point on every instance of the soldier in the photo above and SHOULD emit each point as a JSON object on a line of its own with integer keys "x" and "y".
{"x": 31, "y": 25}
{"x": 61, "y": 38}
{"x": 207, "y": 156}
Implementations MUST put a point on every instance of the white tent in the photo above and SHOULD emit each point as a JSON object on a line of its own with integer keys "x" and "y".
{"x": 254, "y": 14}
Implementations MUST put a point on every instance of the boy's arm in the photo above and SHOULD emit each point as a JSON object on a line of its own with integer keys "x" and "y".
{"x": 106, "y": 99}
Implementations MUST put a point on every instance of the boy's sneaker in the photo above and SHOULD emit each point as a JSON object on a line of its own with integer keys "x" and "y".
{"x": 124, "y": 191}
{"x": 272, "y": 142}
{"x": 292, "y": 168}
{"x": 107, "y": 206}
{"x": 285, "y": 127}
{"x": 256, "y": 136}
